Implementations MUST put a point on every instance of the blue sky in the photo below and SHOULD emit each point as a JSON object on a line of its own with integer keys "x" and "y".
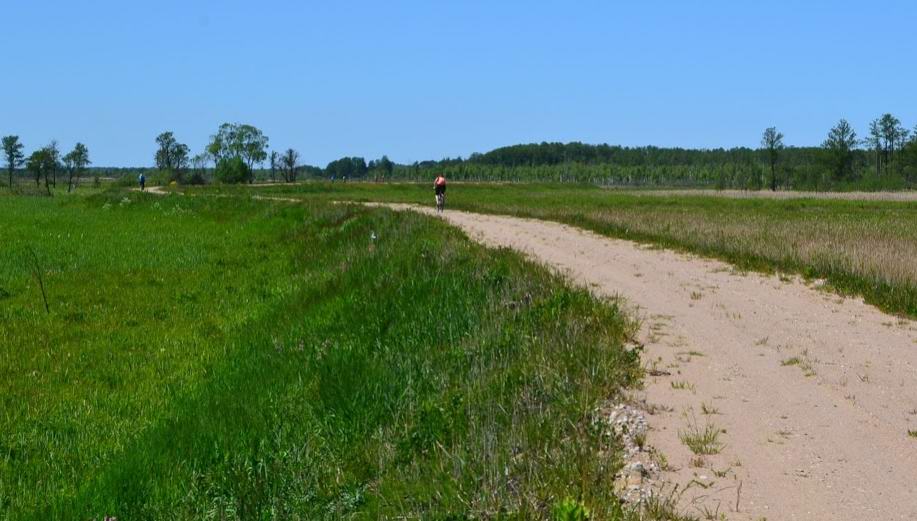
{"x": 427, "y": 79}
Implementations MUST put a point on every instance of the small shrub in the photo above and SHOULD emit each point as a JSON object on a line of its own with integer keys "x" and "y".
{"x": 570, "y": 510}
{"x": 704, "y": 441}
{"x": 682, "y": 385}
{"x": 708, "y": 409}
{"x": 804, "y": 362}
{"x": 232, "y": 170}
{"x": 197, "y": 178}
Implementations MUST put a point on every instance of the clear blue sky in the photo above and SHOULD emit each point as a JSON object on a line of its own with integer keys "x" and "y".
{"x": 427, "y": 79}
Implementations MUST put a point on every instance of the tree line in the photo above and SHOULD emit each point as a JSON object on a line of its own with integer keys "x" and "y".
{"x": 235, "y": 149}
{"x": 45, "y": 162}
{"x": 885, "y": 158}
{"x": 234, "y": 154}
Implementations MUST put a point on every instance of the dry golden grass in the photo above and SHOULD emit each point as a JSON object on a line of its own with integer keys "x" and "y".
{"x": 765, "y": 194}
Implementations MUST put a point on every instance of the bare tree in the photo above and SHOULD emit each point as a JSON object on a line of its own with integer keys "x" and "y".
{"x": 288, "y": 164}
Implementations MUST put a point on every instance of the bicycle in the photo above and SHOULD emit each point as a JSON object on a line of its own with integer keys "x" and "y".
{"x": 440, "y": 202}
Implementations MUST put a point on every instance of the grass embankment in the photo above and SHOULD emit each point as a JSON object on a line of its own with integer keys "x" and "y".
{"x": 238, "y": 359}
{"x": 860, "y": 247}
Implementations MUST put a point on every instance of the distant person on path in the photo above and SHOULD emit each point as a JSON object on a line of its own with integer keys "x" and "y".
{"x": 439, "y": 188}
{"x": 142, "y": 180}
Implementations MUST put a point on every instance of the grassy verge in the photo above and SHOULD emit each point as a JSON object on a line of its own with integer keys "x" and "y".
{"x": 863, "y": 248}
{"x": 238, "y": 359}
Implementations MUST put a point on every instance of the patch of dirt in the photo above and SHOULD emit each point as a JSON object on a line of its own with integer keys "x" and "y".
{"x": 803, "y": 404}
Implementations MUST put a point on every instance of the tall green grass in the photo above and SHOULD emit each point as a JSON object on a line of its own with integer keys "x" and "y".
{"x": 226, "y": 358}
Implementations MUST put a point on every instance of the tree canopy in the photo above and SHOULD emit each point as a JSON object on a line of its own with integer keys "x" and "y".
{"x": 76, "y": 162}
{"x": 235, "y": 140}
{"x": 171, "y": 156}
{"x": 839, "y": 147}
{"x": 347, "y": 167}
{"x": 43, "y": 163}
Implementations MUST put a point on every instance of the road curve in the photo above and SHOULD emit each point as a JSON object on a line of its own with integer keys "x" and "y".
{"x": 813, "y": 395}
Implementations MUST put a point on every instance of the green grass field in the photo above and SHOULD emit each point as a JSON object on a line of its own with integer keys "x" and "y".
{"x": 225, "y": 357}
{"x": 862, "y": 248}
{"x": 229, "y": 358}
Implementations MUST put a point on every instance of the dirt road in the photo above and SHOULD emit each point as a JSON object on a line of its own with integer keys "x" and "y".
{"x": 812, "y": 395}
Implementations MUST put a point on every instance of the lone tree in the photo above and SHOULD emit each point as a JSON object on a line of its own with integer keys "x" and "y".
{"x": 56, "y": 158}
{"x": 42, "y": 163}
{"x": 171, "y": 156}
{"x": 874, "y": 142}
{"x": 181, "y": 161}
{"x": 12, "y": 150}
{"x": 839, "y": 150}
{"x": 288, "y": 164}
{"x": 76, "y": 162}
{"x": 772, "y": 143}
{"x": 892, "y": 132}
{"x": 235, "y": 140}
{"x": 273, "y": 160}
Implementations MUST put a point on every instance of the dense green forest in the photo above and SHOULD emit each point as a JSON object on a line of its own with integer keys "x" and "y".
{"x": 885, "y": 159}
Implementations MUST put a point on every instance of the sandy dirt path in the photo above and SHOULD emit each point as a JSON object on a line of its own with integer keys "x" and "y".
{"x": 813, "y": 395}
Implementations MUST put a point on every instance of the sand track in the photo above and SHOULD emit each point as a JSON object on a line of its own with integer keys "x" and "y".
{"x": 813, "y": 394}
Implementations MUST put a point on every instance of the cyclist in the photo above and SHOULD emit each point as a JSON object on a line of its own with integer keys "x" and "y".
{"x": 439, "y": 187}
